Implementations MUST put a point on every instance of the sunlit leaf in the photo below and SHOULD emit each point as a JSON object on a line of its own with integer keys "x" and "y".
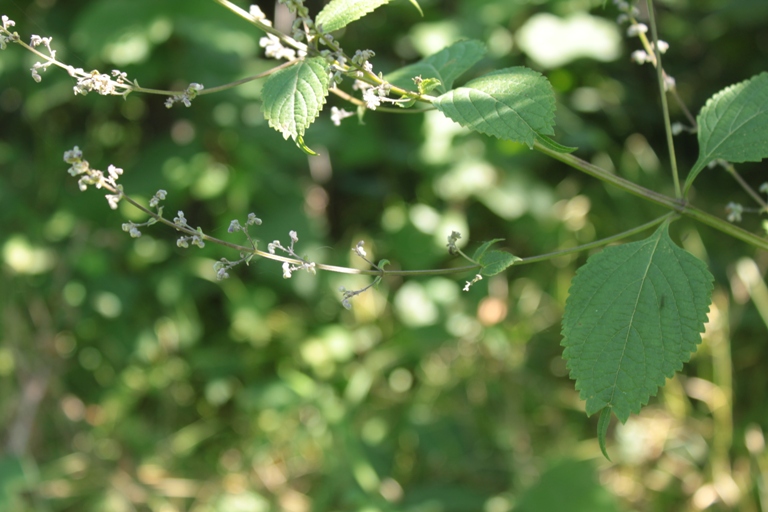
{"x": 293, "y": 97}
{"x": 733, "y": 125}
{"x": 446, "y": 66}
{"x": 340, "y": 13}
{"x": 513, "y": 103}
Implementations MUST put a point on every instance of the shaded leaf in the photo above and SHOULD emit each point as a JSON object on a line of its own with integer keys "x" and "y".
{"x": 495, "y": 262}
{"x": 446, "y": 65}
{"x": 293, "y": 97}
{"x": 513, "y": 103}
{"x": 484, "y": 247}
{"x": 340, "y": 13}
{"x": 733, "y": 125}
{"x": 633, "y": 317}
{"x": 602, "y": 430}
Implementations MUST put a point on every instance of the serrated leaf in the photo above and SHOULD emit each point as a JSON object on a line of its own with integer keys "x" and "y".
{"x": 340, "y": 13}
{"x": 513, "y": 103}
{"x": 293, "y": 97}
{"x": 484, "y": 247}
{"x": 495, "y": 262}
{"x": 633, "y": 317}
{"x": 446, "y": 65}
{"x": 733, "y": 125}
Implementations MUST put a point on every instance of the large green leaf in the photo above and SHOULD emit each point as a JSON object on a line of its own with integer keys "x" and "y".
{"x": 340, "y": 13}
{"x": 633, "y": 317}
{"x": 293, "y": 97}
{"x": 512, "y": 103}
{"x": 733, "y": 125}
{"x": 446, "y": 65}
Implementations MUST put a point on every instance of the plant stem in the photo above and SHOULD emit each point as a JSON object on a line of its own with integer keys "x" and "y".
{"x": 679, "y": 205}
{"x": 596, "y": 243}
{"x": 664, "y": 105}
{"x": 732, "y": 171}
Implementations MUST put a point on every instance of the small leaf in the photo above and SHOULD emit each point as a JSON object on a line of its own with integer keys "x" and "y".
{"x": 428, "y": 85}
{"x": 633, "y": 317}
{"x": 383, "y": 263}
{"x": 340, "y": 13}
{"x": 481, "y": 250}
{"x": 602, "y": 429}
{"x": 733, "y": 125}
{"x": 495, "y": 262}
{"x": 293, "y": 97}
{"x": 446, "y": 65}
{"x": 513, "y": 103}
{"x": 554, "y": 146}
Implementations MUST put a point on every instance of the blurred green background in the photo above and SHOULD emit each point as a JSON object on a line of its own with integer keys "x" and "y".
{"x": 131, "y": 380}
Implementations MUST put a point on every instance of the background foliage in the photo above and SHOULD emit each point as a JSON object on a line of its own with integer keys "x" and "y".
{"x": 131, "y": 380}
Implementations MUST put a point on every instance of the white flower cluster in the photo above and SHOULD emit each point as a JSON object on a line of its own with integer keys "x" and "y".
{"x": 6, "y": 36}
{"x": 469, "y": 284}
{"x": 274, "y": 49}
{"x": 288, "y": 267}
{"x": 186, "y": 97}
{"x": 339, "y": 114}
{"x": 35, "y": 41}
{"x": 184, "y": 241}
{"x": 88, "y": 176}
{"x": 99, "y": 82}
{"x": 734, "y": 211}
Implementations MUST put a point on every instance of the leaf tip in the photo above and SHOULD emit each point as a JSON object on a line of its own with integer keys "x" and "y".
{"x": 602, "y": 430}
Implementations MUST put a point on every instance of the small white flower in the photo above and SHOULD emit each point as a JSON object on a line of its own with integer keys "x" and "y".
{"x": 337, "y": 115}
{"x": 640, "y": 57}
{"x": 294, "y": 236}
{"x": 253, "y": 220}
{"x": 256, "y": 12}
{"x": 234, "y": 226}
{"x": 669, "y": 83}
{"x": 663, "y": 46}
{"x": 637, "y": 29}
{"x": 358, "y": 249}
{"x": 73, "y": 155}
{"x": 286, "y": 270}
{"x": 182, "y": 242}
{"x": 734, "y": 211}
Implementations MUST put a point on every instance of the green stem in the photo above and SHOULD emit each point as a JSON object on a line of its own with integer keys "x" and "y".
{"x": 597, "y": 243}
{"x": 664, "y": 105}
{"x": 749, "y": 190}
{"x": 678, "y": 205}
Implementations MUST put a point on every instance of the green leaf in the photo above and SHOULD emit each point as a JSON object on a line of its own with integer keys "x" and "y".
{"x": 733, "y": 125}
{"x": 602, "y": 430}
{"x": 633, "y": 317}
{"x": 495, "y": 262}
{"x": 513, "y": 103}
{"x": 554, "y": 146}
{"x": 340, "y": 13}
{"x": 293, "y": 97}
{"x": 446, "y": 65}
{"x": 481, "y": 250}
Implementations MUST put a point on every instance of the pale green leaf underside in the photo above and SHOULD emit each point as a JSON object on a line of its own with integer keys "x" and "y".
{"x": 480, "y": 251}
{"x": 293, "y": 97}
{"x": 340, "y": 13}
{"x": 446, "y": 65}
{"x": 512, "y": 103}
{"x": 733, "y": 125}
{"x": 496, "y": 262}
{"x": 633, "y": 317}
